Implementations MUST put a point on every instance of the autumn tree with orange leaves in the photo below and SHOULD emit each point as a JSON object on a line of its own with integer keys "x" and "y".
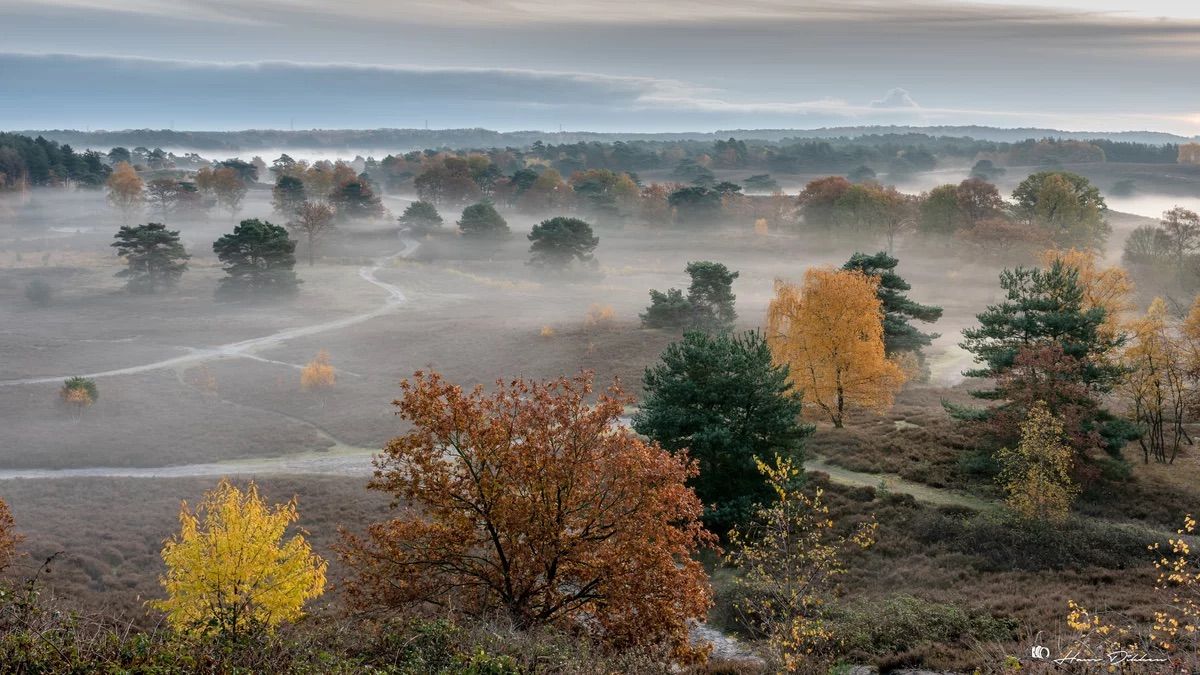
{"x": 126, "y": 191}
{"x": 829, "y": 331}
{"x": 1106, "y": 288}
{"x": 533, "y": 503}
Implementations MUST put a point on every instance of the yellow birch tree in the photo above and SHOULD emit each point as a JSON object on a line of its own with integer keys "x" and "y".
{"x": 829, "y": 331}
{"x": 229, "y": 569}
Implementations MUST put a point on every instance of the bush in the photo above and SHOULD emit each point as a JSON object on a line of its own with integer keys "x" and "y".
{"x": 902, "y": 623}
{"x": 999, "y": 542}
{"x": 38, "y": 292}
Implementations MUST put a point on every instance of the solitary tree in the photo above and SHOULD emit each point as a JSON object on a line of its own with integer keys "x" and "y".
{"x": 125, "y": 190}
{"x": 313, "y": 220}
{"x": 258, "y": 258}
{"x": 829, "y": 331}
{"x": 1155, "y": 383}
{"x": 154, "y": 255}
{"x": 1036, "y": 476}
{"x": 230, "y": 570}
{"x": 536, "y": 504}
{"x": 559, "y": 241}
{"x": 482, "y": 221}
{"x": 163, "y": 194}
{"x": 420, "y": 217}
{"x": 318, "y": 375}
{"x": 722, "y": 400}
{"x": 79, "y": 393}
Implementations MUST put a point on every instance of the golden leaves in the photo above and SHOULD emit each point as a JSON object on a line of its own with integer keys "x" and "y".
{"x": 829, "y": 331}
{"x": 229, "y": 568}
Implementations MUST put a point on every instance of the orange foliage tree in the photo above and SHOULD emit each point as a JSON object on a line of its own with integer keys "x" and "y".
{"x": 829, "y": 331}
{"x": 125, "y": 190}
{"x": 318, "y": 374}
{"x": 532, "y": 503}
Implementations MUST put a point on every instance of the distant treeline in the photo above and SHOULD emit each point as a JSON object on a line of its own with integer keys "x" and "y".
{"x": 399, "y": 140}
{"x": 26, "y": 161}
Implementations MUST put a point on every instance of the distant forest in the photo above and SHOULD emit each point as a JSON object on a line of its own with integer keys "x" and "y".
{"x": 45, "y": 160}
{"x": 401, "y": 140}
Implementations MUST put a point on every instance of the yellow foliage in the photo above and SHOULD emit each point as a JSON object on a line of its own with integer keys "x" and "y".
{"x": 1155, "y": 383}
{"x": 1179, "y": 580}
{"x": 229, "y": 568}
{"x": 77, "y": 397}
{"x": 1107, "y": 288}
{"x": 1037, "y": 475}
{"x": 760, "y": 227}
{"x": 599, "y": 316}
{"x": 789, "y": 561}
{"x": 318, "y": 375}
{"x": 829, "y": 331}
{"x": 546, "y": 332}
{"x": 125, "y": 188}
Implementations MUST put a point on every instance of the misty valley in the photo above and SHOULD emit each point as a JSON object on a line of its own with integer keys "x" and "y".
{"x": 705, "y": 381}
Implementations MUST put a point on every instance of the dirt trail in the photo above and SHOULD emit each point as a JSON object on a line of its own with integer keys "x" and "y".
{"x": 245, "y": 348}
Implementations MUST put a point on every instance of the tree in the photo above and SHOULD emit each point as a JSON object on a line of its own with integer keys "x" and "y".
{"x": 1155, "y": 385}
{"x": 762, "y": 182}
{"x": 258, "y": 258}
{"x": 986, "y": 169}
{"x": 1182, "y": 230}
{"x": 482, "y": 221}
{"x": 818, "y": 198}
{"x": 560, "y": 240}
{"x": 1036, "y": 476}
{"x": 166, "y": 194}
{"x": 829, "y": 331}
{"x": 318, "y": 375}
{"x": 899, "y": 335}
{"x": 698, "y": 205}
{"x": 978, "y": 200}
{"x": 79, "y": 393}
{"x": 709, "y": 305}
{"x": 667, "y": 310}
{"x": 229, "y": 569}
{"x": 355, "y": 199}
{"x": 711, "y": 295}
{"x": 1065, "y": 205}
{"x": 313, "y": 220}
{"x": 421, "y": 216}
{"x": 788, "y": 560}
{"x": 939, "y": 212}
{"x": 125, "y": 190}
{"x": 154, "y": 256}
{"x": 1042, "y": 306}
{"x": 722, "y": 400}
{"x": 1044, "y": 310}
{"x": 1105, "y": 288}
{"x": 532, "y": 503}
{"x": 288, "y": 195}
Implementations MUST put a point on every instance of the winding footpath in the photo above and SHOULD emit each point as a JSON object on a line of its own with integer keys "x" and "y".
{"x": 245, "y": 348}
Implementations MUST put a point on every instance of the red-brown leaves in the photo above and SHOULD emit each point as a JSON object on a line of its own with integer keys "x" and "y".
{"x": 532, "y": 502}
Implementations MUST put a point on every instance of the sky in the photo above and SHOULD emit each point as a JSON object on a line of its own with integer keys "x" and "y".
{"x": 599, "y": 65}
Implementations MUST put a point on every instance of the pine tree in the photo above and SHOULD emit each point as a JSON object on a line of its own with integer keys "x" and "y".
{"x": 155, "y": 256}
{"x": 899, "y": 335}
{"x": 721, "y": 398}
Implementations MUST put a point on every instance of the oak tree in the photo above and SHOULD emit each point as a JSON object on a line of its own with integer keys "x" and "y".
{"x": 532, "y": 502}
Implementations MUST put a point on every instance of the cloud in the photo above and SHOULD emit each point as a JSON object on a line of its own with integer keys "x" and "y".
{"x": 896, "y": 98}
{"x": 72, "y": 91}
